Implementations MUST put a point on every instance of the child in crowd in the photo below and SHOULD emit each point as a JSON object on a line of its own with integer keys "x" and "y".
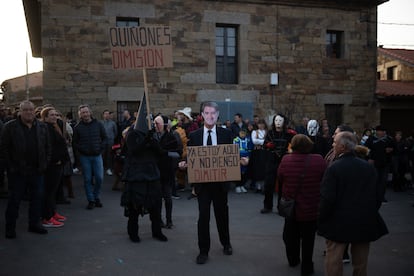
{"x": 245, "y": 147}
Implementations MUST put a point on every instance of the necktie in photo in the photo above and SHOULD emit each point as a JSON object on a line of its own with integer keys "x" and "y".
{"x": 209, "y": 141}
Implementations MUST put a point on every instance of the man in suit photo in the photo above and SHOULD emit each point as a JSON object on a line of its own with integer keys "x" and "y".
{"x": 209, "y": 192}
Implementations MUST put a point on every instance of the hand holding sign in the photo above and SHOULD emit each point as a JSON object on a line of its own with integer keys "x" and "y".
{"x": 219, "y": 163}
{"x": 182, "y": 165}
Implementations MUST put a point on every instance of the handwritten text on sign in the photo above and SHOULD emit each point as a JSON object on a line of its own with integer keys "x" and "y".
{"x": 213, "y": 163}
{"x": 141, "y": 47}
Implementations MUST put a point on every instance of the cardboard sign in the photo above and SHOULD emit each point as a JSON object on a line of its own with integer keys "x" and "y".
{"x": 213, "y": 163}
{"x": 141, "y": 47}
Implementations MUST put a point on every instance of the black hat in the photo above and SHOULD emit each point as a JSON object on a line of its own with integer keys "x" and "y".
{"x": 380, "y": 127}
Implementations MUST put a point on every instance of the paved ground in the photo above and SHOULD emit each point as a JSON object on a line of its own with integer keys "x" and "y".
{"x": 94, "y": 242}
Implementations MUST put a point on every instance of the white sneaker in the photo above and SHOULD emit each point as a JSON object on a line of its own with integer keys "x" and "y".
{"x": 75, "y": 170}
{"x": 243, "y": 189}
{"x": 238, "y": 190}
{"x": 108, "y": 172}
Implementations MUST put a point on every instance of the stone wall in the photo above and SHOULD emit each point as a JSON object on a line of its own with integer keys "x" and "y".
{"x": 289, "y": 40}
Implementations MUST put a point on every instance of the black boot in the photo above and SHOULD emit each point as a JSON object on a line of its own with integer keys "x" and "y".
{"x": 168, "y": 213}
{"x": 156, "y": 232}
{"x": 133, "y": 227}
{"x": 159, "y": 236}
{"x": 155, "y": 217}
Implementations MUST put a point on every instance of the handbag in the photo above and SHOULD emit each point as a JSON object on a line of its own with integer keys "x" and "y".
{"x": 286, "y": 206}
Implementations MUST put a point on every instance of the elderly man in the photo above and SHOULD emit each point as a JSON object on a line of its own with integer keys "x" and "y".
{"x": 25, "y": 150}
{"x": 348, "y": 212}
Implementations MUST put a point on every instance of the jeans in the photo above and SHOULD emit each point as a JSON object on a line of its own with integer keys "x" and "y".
{"x": 92, "y": 168}
{"x": 18, "y": 184}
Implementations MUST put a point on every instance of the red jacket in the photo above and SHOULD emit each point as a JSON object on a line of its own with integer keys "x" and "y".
{"x": 290, "y": 170}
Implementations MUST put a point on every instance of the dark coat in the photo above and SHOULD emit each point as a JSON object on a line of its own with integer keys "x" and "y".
{"x": 167, "y": 164}
{"x": 377, "y": 151}
{"x": 235, "y": 128}
{"x": 290, "y": 170}
{"x": 141, "y": 173}
{"x": 89, "y": 138}
{"x": 12, "y": 146}
{"x": 143, "y": 155}
{"x": 277, "y": 143}
{"x": 350, "y": 200}
{"x": 59, "y": 148}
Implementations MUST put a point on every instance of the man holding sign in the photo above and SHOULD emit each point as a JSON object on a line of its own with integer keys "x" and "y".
{"x": 208, "y": 192}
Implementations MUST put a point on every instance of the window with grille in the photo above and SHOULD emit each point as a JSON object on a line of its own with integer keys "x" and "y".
{"x": 226, "y": 54}
{"x": 334, "y": 44}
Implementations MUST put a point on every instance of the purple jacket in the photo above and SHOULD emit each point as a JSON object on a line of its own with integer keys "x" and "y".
{"x": 290, "y": 170}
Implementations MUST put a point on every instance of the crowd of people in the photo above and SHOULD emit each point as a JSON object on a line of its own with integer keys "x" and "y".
{"x": 40, "y": 149}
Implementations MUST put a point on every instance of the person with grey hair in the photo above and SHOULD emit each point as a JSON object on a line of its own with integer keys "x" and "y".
{"x": 167, "y": 164}
{"x": 25, "y": 150}
{"x": 348, "y": 210}
{"x": 330, "y": 156}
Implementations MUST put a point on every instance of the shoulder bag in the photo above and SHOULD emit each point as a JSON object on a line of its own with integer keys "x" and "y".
{"x": 286, "y": 206}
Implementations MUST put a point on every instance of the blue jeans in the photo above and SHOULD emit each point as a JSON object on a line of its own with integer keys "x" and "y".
{"x": 92, "y": 167}
{"x": 18, "y": 184}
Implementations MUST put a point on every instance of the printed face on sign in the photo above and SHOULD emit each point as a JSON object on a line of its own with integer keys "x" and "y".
{"x": 210, "y": 116}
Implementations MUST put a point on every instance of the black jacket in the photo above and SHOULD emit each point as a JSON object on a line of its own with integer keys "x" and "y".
{"x": 350, "y": 200}
{"x": 59, "y": 148}
{"x": 89, "y": 138}
{"x": 377, "y": 151}
{"x": 143, "y": 154}
{"x": 167, "y": 164}
{"x": 13, "y": 150}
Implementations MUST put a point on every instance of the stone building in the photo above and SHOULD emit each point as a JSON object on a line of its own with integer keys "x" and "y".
{"x": 309, "y": 57}
{"x": 395, "y": 89}
{"x": 27, "y": 87}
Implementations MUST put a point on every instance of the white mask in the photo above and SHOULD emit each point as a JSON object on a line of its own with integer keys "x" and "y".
{"x": 279, "y": 120}
{"x": 313, "y": 127}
